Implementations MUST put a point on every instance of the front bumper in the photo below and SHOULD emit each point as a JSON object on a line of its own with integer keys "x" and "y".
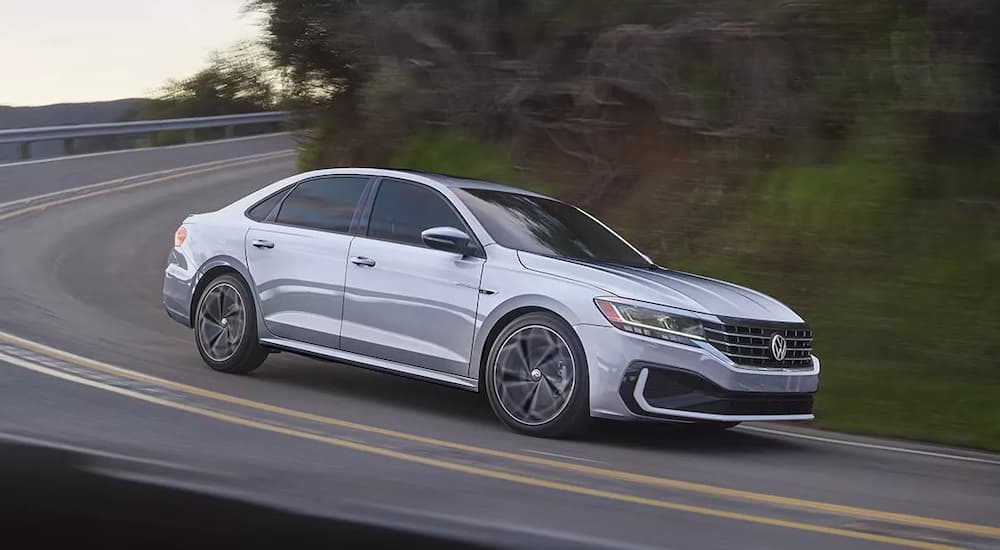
{"x": 635, "y": 377}
{"x": 669, "y": 393}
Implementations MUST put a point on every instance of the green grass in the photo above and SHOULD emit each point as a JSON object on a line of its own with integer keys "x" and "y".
{"x": 919, "y": 402}
{"x": 460, "y": 155}
{"x": 900, "y": 293}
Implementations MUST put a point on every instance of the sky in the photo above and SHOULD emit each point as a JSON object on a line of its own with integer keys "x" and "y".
{"x": 56, "y": 51}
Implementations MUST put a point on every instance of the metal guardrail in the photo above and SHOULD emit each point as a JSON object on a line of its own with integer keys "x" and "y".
{"x": 24, "y": 137}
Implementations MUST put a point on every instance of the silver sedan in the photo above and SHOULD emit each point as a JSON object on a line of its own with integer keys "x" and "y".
{"x": 486, "y": 288}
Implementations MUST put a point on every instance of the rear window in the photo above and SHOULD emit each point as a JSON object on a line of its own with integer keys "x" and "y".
{"x": 260, "y": 212}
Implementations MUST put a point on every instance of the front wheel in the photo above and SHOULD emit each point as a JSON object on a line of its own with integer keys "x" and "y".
{"x": 536, "y": 377}
{"x": 225, "y": 330}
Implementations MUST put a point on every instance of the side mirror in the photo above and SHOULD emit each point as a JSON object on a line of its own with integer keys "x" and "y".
{"x": 448, "y": 239}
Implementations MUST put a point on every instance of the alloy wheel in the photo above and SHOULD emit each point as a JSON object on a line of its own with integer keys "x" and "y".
{"x": 534, "y": 375}
{"x": 221, "y": 322}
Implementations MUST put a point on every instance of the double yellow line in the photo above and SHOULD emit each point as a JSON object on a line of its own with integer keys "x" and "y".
{"x": 787, "y": 502}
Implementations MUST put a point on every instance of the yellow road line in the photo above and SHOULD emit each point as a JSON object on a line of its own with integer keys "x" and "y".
{"x": 643, "y": 479}
{"x": 87, "y": 195}
{"x": 475, "y": 470}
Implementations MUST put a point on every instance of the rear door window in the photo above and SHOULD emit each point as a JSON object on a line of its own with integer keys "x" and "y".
{"x": 326, "y": 203}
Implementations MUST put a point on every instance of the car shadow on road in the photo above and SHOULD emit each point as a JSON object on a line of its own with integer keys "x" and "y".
{"x": 404, "y": 396}
{"x": 685, "y": 438}
{"x": 391, "y": 391}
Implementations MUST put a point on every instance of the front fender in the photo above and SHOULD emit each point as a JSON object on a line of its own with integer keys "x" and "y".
{"x": 516, "y": 288}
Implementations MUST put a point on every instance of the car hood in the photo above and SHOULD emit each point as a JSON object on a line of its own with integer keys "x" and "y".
{"x": 666, "y": 287}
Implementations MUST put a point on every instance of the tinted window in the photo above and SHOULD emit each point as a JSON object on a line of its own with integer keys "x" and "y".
{"x": 259, "y": 213}
{"x": 402, "y": 211}
{"x": 323, "y": 203}
{"x": 546, "y": 226}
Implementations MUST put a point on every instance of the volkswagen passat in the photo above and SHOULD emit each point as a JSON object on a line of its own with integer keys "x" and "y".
{"x": 487, "y": 288}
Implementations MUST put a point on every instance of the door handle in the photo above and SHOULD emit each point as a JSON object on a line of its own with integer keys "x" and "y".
{"x": 361, "y": 260}
{"x": 262, "y": 244}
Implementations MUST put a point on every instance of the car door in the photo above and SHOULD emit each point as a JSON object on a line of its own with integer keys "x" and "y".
{"x": 406, "y": 302}
{"x": 297, "y": 258}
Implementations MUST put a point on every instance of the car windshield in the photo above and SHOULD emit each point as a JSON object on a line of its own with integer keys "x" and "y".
{"x": 545, "y": 226}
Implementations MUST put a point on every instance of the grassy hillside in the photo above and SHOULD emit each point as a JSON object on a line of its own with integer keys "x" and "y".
{"x": 841, "y": 156}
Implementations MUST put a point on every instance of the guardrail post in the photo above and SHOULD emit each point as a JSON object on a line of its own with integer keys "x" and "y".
{"x": 69, "y": 146}
{"x": 189, "y": 136}
{"x": 230, "y": 131}
{"x": 24, "y": 150}
{"x": 154, "y": 139}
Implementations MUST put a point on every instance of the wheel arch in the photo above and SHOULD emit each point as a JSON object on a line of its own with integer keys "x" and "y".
{"x": 211, "y": 270}
{"x": 498, "y": 321}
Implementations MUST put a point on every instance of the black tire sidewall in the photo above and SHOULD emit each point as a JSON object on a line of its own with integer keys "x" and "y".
{"x": 575, "y": 417}
{"x": 250, "y": 354}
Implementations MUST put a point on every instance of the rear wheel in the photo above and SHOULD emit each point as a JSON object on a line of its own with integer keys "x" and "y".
{"x": 536, "y": 377}
{"x": 225, "y": 329}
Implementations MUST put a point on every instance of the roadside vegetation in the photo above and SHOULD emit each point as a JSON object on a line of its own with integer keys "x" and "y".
{"x": 235, "y": 81}
{"x": 842, "y": 156}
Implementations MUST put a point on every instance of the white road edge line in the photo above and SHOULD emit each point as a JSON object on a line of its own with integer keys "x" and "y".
{"x": 567, "y": 457}
{"x": 140, "y": 149}
{"x": 847, "y": 443}
{"x": 168, "y": 171}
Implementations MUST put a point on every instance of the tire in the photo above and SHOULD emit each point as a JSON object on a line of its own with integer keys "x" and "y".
{"x": 537, "y": 379}
{"x": 225, "y": 328}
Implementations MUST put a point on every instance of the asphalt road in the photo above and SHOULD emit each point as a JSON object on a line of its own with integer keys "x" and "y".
{"x": 19, "y": 180}
{"x": 84, "y": 276}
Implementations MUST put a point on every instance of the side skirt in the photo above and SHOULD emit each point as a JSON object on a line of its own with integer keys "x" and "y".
{"x": 372, "y": 363}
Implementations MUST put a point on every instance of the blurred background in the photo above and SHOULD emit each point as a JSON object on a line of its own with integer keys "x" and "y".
{"x": 841, "y": 156}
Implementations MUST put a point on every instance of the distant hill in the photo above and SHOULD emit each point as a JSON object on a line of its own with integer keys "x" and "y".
{"x": 60, "y": 114}
{"x": 67, "y": 113}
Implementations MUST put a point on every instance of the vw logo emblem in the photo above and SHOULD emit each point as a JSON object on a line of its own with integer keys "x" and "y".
{"x": 779, "y": 346}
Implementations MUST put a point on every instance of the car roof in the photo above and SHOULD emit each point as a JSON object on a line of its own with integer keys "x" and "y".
{"x": 446, "y": 180}
{"x": 466, "y": 183}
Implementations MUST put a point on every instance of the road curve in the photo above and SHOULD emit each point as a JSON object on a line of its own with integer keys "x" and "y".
{"x": 83, "y": 277}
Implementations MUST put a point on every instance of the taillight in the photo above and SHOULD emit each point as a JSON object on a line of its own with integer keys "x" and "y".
{"x": 180, "y": 236}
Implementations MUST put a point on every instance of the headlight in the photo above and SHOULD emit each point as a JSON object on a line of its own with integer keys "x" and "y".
{"x": 651, "y": 322}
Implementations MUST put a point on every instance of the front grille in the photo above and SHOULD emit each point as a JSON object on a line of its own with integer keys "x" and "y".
{"x": 748, "y": 343}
